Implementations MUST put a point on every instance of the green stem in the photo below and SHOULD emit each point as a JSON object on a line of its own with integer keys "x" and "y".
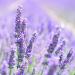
{"x": 18, "y": 63}
{"x": 41, "y": 73}
{"x": 10, "y": 72}
{"x": 42, "y": 70}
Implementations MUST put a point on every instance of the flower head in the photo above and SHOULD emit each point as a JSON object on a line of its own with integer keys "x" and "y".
{"x": 18, "y": 22}
{"x": 53, "y": 44}
{"x": 29, "y": 47}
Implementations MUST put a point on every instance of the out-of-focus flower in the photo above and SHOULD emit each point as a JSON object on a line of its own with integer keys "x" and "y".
{"x": 53, "y": 44}
{"x": 18, "y": 22}
{"x": 52, "y": 69}
{"x": 19, "y": 35}
{"x": 69, "y": 54}
{"x": 11, "y": 61}
{"x": 3, "y": 69}
{"x": 51, "y": 48}
{"x": 66, "y": 61}
{"x": 29, "y": 47}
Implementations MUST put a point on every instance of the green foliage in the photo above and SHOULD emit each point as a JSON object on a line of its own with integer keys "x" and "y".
{"x": 72, "y": 73}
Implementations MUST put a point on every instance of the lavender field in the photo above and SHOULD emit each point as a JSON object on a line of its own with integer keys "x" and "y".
{"x": 36, "y": 39}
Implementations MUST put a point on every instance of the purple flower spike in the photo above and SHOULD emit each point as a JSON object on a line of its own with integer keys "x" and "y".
{"x": 53, "y": 44}
{"x": 18, "y": 21}
{"x": 62, "y": 66}
{"x": 19, "y": 31}
{"x": 29, "y": 48}
{"x": 69, "y": 54}
{"x": 11, "y": 61}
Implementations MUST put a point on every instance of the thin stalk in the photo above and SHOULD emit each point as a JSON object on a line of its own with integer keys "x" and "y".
{"x": 10, "y": 71}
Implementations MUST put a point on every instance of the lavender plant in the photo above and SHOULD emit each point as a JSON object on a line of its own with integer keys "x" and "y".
{"x": 19, "y": 33}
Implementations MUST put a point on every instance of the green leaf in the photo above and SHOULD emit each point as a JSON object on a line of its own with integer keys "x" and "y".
{"x": 72, "y": 73}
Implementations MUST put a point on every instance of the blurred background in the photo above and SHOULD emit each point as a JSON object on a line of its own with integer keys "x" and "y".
{"x": 39, "y": 13}
{"x": 62, "y": 10}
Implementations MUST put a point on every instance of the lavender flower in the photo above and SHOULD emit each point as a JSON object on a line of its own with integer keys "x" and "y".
{"x": 11, "y": 61}
{"x": 53, "y": 44}
{"x": 18, "y": 22}
{"x": 69, "y": 54}
{"x": 51, "y": 48}
{"x": 19, "y": 29}
{"x": 20, "y": 25}
{"x": 28, "y": 50}
{"x": 3, "y": 73}
{"x": 29, "y": 47}
{"x": 62, "y": 66}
